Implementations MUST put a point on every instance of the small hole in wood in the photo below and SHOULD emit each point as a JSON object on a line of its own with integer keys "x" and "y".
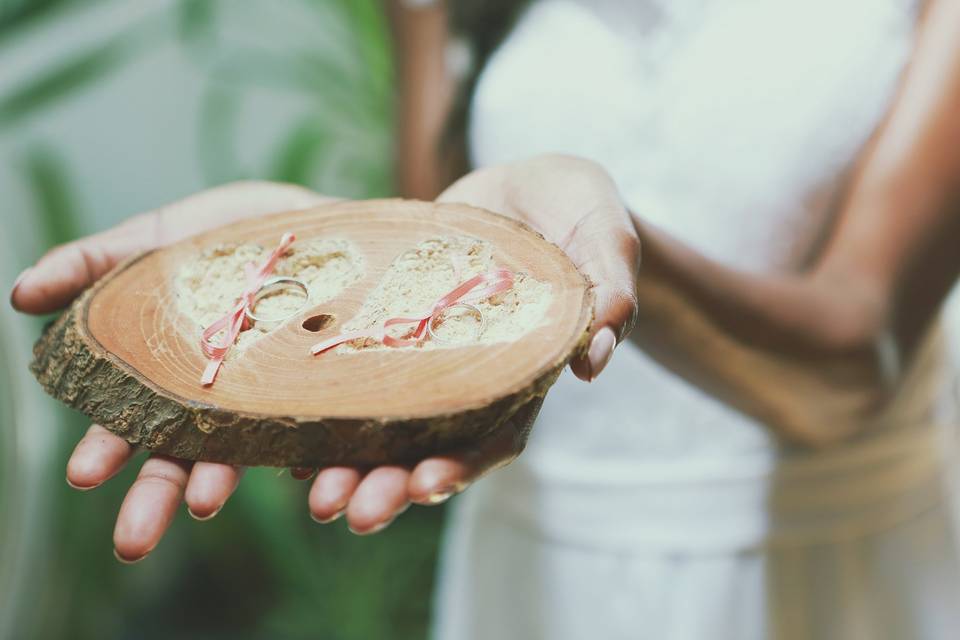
{"x": 318, "y": 322}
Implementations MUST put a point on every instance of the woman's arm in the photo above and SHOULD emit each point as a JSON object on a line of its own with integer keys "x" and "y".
{"x": 813, "y": 355}
{"x": 810, "y": 352}
{"x": 425, "y": 94}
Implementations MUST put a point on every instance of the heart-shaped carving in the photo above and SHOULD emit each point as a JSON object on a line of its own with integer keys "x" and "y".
{"x": 207, "y": 286}
{"x": 418, "y": 277}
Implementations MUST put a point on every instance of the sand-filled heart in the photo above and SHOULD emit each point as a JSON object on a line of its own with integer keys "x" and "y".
{"x": 207, "y": 286}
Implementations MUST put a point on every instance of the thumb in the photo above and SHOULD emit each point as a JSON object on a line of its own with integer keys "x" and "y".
{"x": 65, "y": 271}
{"x": 611, "y": 259}
{"x": 436, "y": 479}
{"x": 614, "y": 313}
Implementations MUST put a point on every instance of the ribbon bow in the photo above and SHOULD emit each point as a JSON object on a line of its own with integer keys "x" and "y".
{"x": 492, "y": 283}
{"x": 233, "y": 321}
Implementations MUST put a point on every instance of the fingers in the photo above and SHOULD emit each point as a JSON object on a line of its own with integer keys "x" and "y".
{"x": 149, "y": 507}
{"x": 380, "y": 497}
{"x": 614, "y": 316}
{"x": 209, "y": 487}
{"x": 155, "y": 495}
{"x": 302, "y": 473}
{"x": 372, "y": 502}
{"x": 97, "y": 457}
{"x": 436, "y": 479}
{"x": 331, "y": 492}
{"x": 612, "y": 261}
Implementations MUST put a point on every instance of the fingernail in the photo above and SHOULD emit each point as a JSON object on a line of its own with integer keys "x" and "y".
{"x": 123, "y": 560}
{"x": 601, "y": 349}
{"x": 301, "y": 473}
{"x": 79, "y": 488}
{"x": 16, "y": 283}
{"x": 440, "y": 497}
{"x": 334, "y": 517}
{"x": 380, "y": 526}
{"x": 204, "y": 518}
{"x": 377, "y": 528}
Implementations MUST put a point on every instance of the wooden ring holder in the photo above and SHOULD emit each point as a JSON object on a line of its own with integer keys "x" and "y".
{"x": 122, "y": 355}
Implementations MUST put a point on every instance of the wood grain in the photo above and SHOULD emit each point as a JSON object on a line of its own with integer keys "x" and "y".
{"x": 125, "y": 356}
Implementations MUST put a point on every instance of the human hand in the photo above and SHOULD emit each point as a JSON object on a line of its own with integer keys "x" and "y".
{"x": 573, "y": 203}
{"x": 63, "y": 273}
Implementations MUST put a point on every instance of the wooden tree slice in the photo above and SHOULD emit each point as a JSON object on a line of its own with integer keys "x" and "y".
{"x": 124, "y": 355}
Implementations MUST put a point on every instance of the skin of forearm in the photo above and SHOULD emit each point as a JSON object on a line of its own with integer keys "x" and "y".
{"x": 425, "y": 96}
{"x": 777, "y": 347}
{"x": 901, "y": 225}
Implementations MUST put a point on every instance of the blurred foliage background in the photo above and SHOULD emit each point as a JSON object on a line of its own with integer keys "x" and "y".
{"x": 108, "y": 108}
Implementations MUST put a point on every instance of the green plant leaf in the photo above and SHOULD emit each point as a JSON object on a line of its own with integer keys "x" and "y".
{"x": 15, "y": 14}
{"x": 219, "y": 109}
{"x": 47, "y": 176}
{"x": 73, "y": 75}
{"x": 298, "y": 154}
{"x": 196, "y": 22}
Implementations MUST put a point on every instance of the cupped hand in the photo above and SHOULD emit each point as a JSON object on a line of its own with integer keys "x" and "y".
{"x": 575, "y": 204}
{"x": 63, "y": 273}
{"x": 572, "y": 202}
{"x": 371, "y": 498}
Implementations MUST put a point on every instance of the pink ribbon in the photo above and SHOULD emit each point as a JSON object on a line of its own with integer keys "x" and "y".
{"x": 491, "y": 283}
{"x": 234, "y": 321}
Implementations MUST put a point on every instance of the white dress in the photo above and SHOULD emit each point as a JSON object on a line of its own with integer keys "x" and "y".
{"x": 642, "y": 508}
